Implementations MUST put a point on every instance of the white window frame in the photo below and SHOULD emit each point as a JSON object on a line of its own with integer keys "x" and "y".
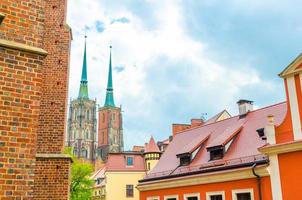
{"x": 171, "y": 196}
{"x": 186, "y": 196}
{"x": 209, "y": 194}
{"x": 235, "y": 192}
{"x": 153, "y": 198}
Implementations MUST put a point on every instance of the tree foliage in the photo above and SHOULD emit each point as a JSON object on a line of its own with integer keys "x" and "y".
{"x": 81, "y": 184}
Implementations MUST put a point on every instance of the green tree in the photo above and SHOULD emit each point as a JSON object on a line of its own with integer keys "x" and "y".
{"x": 81, "y": 184}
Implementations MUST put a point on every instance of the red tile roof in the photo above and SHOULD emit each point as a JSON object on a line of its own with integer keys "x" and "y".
{"x": 243, "y": 149}
{"x": 151, "y": 147}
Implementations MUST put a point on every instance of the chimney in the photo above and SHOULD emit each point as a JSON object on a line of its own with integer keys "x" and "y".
{"x": 196, "y": 122}
{"x": 244, "y": 106}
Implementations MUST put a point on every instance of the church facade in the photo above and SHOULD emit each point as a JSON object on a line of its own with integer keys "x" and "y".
{"x": 82, "y": 123}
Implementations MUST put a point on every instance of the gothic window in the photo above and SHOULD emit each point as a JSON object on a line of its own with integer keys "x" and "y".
{"x": 75, "y": 152}
{"x": 103, "y": 117}
{"x": 87, "y": 134}
{"x": 113, "y": 116}
{"x": 103, "y": 135}
{"x": 115, "y": 139}
{"x": 75, "y": 115}
{"x": 88, "y": 115}
{"x": 84, "y": 153}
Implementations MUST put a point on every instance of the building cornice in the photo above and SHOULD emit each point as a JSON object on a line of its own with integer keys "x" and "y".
{"x": 22, "y": 47}
{"x": 281, "y": 148}
{"x": 222, "y": 176}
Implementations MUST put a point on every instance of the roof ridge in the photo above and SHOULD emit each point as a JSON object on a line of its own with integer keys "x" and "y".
{"x": 192, "y": 128}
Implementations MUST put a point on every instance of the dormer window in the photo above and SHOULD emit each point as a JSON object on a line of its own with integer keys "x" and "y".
{"x": 184, "y": 159}
{"x": 216, "y": 153}
{"x": 223, "y": 142}
{"x": 129, "y": 161}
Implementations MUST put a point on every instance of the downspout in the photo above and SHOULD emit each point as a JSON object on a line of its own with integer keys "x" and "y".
{"x": 258, "y": 181}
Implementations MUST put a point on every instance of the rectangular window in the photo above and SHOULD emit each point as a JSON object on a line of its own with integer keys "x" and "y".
{"x": 185, "y": 159}
{"x": 195, "y": 196}
{"x": 216, "y": 154}
{"x": 129, "y": 191}
{"x": 243, "y": 194}
{"x": 171, "y": 197}
{"x": 153, "y": 198}
{"x": 220, "y": 195}
{"x": 129, "y": 161}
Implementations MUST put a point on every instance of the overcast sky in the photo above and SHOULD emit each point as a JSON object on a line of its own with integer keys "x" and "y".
{"x": 176, "y": 60}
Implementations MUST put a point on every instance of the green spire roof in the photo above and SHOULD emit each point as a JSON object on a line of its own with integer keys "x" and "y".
{"x": 83, "y": 93}
{"x": 109, "y": 93}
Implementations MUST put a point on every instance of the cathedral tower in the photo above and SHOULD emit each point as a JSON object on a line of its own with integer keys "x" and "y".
{"x": 82, "y": 120}
{"x": 110, "y": 130}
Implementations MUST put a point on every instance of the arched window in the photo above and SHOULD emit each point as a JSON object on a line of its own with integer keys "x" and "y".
{"x": 103, "y": 117}
{"x": 87, "y": 135}
{"x": 75, "y": 115}
{"x": 84, "y": 153}
{"x": 75, "y": 152}
{"x": 87, "y": 115}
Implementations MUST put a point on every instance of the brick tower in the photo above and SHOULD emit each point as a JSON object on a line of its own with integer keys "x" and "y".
{"x": 110, "y": 130}
{"x": 34, "y": 62}
{"x": 82, "y": 120}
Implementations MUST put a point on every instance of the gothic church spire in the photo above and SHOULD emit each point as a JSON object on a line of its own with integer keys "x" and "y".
{"x": 83, "y": 93}
{"x": 109, "y": 93}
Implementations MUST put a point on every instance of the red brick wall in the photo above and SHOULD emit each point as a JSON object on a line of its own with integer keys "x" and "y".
{"x": 103, "y": 126}
{"x": 33, "y": 99}
{"x": 24, "y": 21}
{"x": 20, "y": 81}
{"x": 55, "y": 79}
{"x": 52, "y": 178}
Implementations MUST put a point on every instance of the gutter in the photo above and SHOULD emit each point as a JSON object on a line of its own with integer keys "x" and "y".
{"x": 258, "y": 181}
{"x": 242, "y": 165}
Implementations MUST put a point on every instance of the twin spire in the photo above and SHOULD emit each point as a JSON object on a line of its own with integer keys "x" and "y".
{"x": 83, "y": 93}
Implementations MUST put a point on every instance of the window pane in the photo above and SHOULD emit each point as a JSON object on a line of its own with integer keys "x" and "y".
{"x": 129, "y": 161}
{"x": 216, "y": 197}
{"x": 192, "y": 198}
{"x": 244, "y": 196}
{"x": 129, "y": 190}
{"x": 171, "y": 199}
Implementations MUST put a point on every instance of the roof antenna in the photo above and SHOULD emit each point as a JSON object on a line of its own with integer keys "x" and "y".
{"x": 202, "y": 117}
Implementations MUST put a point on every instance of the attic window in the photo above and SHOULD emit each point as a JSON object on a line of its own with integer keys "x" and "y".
{"x": 185, "y": 159}
{"x": 216, "y": 153}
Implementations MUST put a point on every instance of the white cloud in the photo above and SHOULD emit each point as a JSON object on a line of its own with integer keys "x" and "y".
{"x": 139, "y": 49}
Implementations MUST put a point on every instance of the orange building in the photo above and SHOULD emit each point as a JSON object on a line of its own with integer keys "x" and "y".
{"x": 253, "y": 156}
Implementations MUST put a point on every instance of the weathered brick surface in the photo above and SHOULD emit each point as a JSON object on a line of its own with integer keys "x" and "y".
{"x": 20, "y": 83}
{"x": 24, "y": 21}
{"x": 55, "y": 78}
{"x": 33, "y": 91}
{"x": 52, "y": 178}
